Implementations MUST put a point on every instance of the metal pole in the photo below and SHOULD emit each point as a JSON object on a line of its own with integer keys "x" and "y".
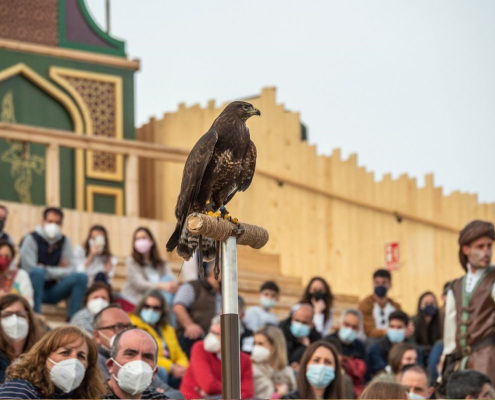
{"x": 108, "y": 15}
{"x": 231, "y": 363}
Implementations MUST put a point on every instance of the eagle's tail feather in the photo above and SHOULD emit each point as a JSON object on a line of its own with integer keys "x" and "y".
{"x": 174, "y": 239}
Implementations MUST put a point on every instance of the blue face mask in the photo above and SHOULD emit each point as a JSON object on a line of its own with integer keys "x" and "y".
{"x": 414, "y": 396}
{"x": 299, "y": 330}
{"x": 347, "y": 335}
{"x": 150, "y": 316}
{"x": 396, "y": 335}
{"x": 267, "y": 303}
{"x": 319, "y": 375}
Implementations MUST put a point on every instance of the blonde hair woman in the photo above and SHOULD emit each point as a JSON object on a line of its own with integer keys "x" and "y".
{"x": 272, "y": 377}
{"x": 63, "y": 364}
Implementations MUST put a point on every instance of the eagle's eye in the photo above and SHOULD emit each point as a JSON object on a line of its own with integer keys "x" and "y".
{"x": 245, "y": 107}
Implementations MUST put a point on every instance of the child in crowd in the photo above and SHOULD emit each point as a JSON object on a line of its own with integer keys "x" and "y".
{"x": 257, "y": 316}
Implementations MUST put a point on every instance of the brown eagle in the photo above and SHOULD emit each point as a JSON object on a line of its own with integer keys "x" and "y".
{"x": 219, "y": 165}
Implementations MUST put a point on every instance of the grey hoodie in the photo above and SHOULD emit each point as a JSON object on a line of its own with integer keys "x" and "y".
{"x": 29, "y": 256}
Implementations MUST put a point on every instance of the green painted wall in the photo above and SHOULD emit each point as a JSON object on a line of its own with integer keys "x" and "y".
{"x": 33, "y": 107}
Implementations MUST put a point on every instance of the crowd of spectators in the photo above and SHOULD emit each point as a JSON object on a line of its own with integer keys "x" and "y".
{"x": 157, "y": 339}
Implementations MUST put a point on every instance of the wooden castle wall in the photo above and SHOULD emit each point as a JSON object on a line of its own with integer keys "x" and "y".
{"x": 337, "y": 229}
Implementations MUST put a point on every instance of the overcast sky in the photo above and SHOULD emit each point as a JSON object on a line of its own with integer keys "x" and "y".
{"x": 408, "y": 85}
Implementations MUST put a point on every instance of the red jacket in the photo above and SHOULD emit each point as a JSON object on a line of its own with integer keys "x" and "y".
{"x": 205, "y": 373}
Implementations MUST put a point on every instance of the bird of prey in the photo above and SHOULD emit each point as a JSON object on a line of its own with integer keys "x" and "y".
{"x": 219, "y": 165}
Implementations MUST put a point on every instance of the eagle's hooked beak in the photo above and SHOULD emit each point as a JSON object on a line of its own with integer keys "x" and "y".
{"x": 255, "y": 111}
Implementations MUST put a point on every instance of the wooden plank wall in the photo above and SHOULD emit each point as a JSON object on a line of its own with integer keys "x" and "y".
{"x": 312, "y": 233}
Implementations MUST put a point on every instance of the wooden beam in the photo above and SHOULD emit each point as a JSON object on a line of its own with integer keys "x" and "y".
{"x": 78, "y": 55}
{"x": 52, "y": 181}
{"x": 132, "y": 186}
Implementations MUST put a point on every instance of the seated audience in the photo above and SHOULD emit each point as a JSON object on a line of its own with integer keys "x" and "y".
{"x": 353, "y": 350}
{"x": 416, "y": 380}
{"x": 469, "y": 384}
{"x": 46, "y": 255}
{"x": 258, "y": 316}
{"x": 273, "y": 379}
{"x": 13, "y": 280}
{"x": 108, "y": 323}
{"x": 195, "y": 304}
{"x": 400, "y": 356}
{"x": 203, "y": 378}
{"x": 320, "y": 374}
{"x": 384, "y": 390}
{"x": 4, "y": 236}
{"x": 95, "y": 258}
{"x": 377, "y": 307}
{"x": 146, "y": 270}
{"x": 62, "y": 364}
{"x": 247, "y": 335}
{"x": 98, "y": 296}
{"x": 151, "y": 315}
{"x": 319, "y": 295}
{"x": 299, "y": 333}
{"x": 428, "y": 326}
{"x": 396, "y": 333}
{"x": 132, "y": 366}
{"x": 19, "y": 330}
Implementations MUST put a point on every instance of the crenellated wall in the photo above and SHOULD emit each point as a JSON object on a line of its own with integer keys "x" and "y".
{"x": 326, "y": 216}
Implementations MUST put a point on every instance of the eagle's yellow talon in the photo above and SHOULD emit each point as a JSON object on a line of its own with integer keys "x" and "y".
{"x": 234, "y": 221}
{"x": 214, "y": 214}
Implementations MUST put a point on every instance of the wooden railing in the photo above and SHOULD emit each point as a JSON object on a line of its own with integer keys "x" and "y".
{"x": 133, "y": 149}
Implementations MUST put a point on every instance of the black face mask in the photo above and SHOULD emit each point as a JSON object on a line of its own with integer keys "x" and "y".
{"x": 2, "y": 224}
{"x": 381, "y": 291}
{"x": 317, "y": 296}
{"x": 430, "y": 310}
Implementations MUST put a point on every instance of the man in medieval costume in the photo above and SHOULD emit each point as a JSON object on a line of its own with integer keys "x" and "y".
{"x": 469, "y": 332}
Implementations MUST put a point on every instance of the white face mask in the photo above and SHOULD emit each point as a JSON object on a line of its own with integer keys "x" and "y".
{"x": 260, "y": 354}
{"x": 51, "y": 230}
{"x": 134, "y": 377}
{"x": 16, "y": 328}
{"x": 211, "y": 343}
{"x": 111, "y": 340}
{"x": 67, "y": 375}
{"x": 96, "y": 305}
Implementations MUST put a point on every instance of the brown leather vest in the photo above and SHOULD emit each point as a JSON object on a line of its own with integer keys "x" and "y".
{"x": 203, "y": 309}
{"x": 481, "y": 320}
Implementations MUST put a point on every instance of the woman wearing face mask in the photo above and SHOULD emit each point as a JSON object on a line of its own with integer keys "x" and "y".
{"x": 151, "y": 315}
{"x": 428, "y": 321}
{"x": 13, "y": 280}
{"x": 272, "y": 377}
{"x": 19, "y": 330}
{"x": 401, "y": 354}
{"x": 97, "y": 297}
{"x": 63, "y": 364}
{"x": 320, "y": 374}
{"x": 95, "y": 259}
{"x": 146, "y": 270}
{"x": 319, "y": 295}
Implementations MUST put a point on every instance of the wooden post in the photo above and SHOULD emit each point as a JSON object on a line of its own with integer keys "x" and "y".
{"x": 132, "y": 186}
{"x": 52, "y": 190}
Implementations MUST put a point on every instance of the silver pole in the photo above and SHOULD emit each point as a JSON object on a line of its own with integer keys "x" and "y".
{"x": 108, "y": 15}
{"x": 231, "y": 363}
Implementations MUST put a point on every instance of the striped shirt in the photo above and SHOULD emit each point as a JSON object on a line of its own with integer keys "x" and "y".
{"x": 21, "y": 389}
{"x": 186, "y": 296}
{"x": 147, "y": 394}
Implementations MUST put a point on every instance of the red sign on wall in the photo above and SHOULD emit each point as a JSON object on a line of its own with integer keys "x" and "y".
{"x": 392, "y": 256}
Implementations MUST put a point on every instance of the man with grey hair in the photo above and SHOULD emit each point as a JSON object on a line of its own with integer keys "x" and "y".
{"x": 354, "y": 350}
{"x": 132, "y": 366}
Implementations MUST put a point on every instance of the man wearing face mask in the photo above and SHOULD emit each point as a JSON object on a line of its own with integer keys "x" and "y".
{"x": 416, "y": 379}
{"x": 377, "y": 307}
{"x": 258, "y": 316}
{"x": 203, "y": 378}
{"x": 396, "y": 333}
{"x": 195, "y": 304}
{"x": 469, "y": 328}
{"x": 46, "y": 255}
{"x": 132, "y": 366}
{"x": 4, "y": 236}
{"x": 299, "y": 333}
{"x": 353, "y": 350}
